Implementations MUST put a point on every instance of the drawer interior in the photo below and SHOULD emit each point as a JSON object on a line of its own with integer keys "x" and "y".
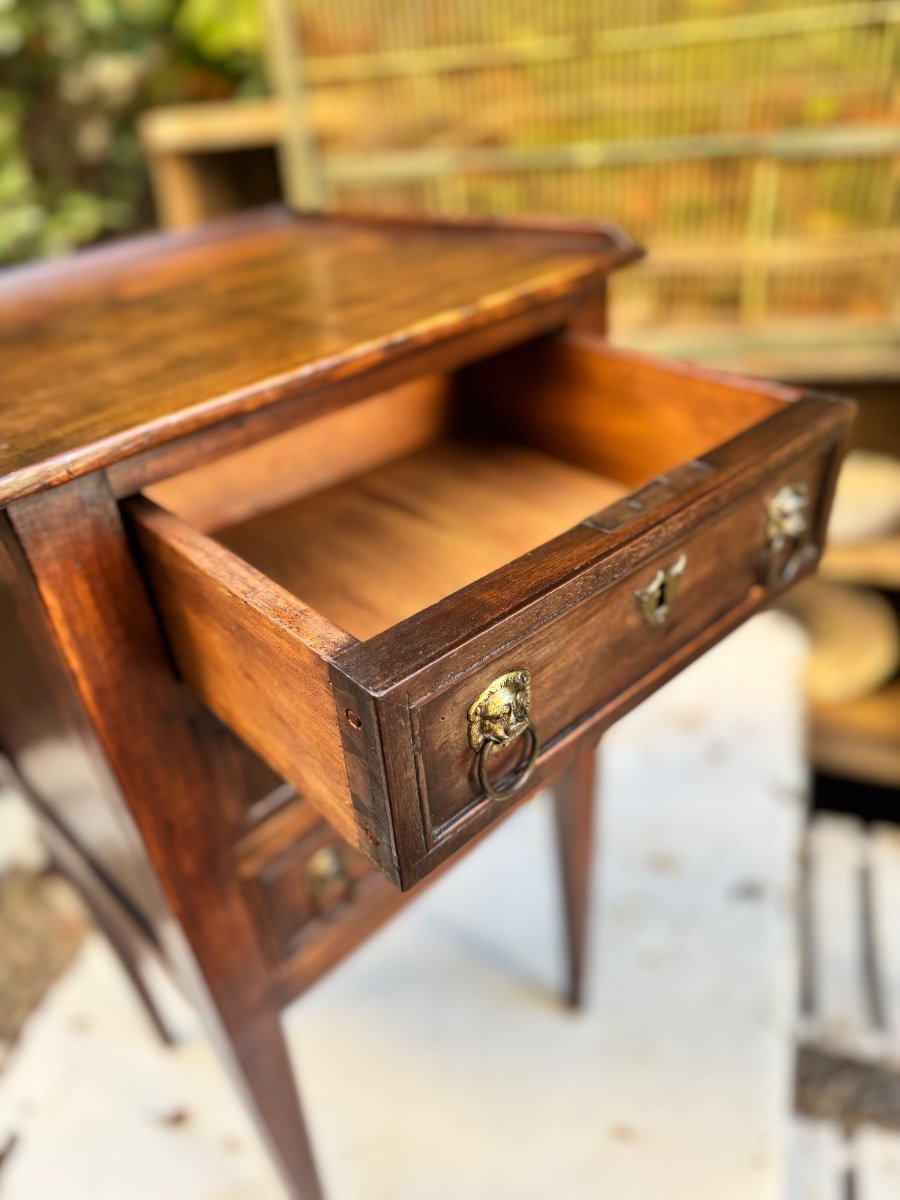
{"x": 373, "y": 513}
{"x": 310, "y": 582}
{"x": 377, "y": 548}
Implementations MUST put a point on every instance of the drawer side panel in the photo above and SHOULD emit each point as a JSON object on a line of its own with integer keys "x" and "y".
{"x": 249, "y": 652}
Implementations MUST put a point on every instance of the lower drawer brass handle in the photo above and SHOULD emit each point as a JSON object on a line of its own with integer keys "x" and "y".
{"x": 786, "y": 547}
{"x": 325, "y": 870}
{"x": 500, "y": 715}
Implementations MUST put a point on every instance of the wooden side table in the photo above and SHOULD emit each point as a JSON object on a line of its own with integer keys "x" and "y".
{"x": 329, "y": 540}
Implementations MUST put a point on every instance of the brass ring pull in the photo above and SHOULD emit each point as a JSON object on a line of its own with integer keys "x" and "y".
{"x": 787, "y": 548}
{"x": 500, "y": 715}
{"x": 326, "y": 872}
{"x": 522, "y": 771}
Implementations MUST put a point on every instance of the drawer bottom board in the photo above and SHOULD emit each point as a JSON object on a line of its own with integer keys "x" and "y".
{"x": 388, "y": 543}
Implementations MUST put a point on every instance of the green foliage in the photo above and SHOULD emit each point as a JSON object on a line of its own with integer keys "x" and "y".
{"x": 74, "y": 74}
{"x": 239, "y": 35}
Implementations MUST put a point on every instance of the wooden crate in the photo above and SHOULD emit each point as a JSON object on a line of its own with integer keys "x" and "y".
{"x": 851, "y": 952}
{"x": 827, "y": 1164}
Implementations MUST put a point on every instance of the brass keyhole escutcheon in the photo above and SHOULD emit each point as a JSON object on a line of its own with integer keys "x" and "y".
{"x": 500, "y": 715}
{"x": 656, "y": 599}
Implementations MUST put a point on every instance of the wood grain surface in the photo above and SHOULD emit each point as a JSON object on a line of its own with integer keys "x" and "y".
{"x": 375, "y": 567}
{"x": 259, "y": 658}
{"x": 615, "y": 411}
{"x": 121, "y": 350}
{"x": 594, "y": 654}
{"x": 277, "y": 470}
{"x": 380, "y": 547}
{"x": 152, "y": 736}
{"x": 500, "y": 538}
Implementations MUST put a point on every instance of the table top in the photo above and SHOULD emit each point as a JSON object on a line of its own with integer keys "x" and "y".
{"x": 118, "y": 350}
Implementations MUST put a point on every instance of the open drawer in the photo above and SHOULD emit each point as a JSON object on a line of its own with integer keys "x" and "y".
{"x": 413, "y": 607}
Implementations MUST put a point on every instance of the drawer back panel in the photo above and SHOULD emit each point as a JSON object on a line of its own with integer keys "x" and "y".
{"x": 620, "y": 413}
{"x": 310, "y": 457}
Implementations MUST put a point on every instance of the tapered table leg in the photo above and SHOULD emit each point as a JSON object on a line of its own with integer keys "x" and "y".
{"x": 573, "y": 801}
{"x": 145, "y": 728}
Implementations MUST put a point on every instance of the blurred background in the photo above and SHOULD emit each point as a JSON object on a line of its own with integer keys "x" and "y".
{"x": 74, "y": 77}
{"x": 753, "y": 147}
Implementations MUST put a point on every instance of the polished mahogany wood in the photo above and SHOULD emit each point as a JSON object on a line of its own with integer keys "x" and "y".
{"x": 301, "y": 461}
{"x": 574, "y": 812}
{"x": 238, "y": 755}
{"x": 105, "y": 633}
{"x": 623, "y": 414}
{"x": 511, "y": 539}
{"x": 122, "y": 350}
{"x": 418, "y": 529}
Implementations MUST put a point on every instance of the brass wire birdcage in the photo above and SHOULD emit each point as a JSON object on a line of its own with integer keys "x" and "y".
{"x": 753, "y": 146}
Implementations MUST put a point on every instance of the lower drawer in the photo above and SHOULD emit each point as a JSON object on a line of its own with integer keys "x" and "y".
{"x": 419, "y": 604}
{"x": 308, "y": 887}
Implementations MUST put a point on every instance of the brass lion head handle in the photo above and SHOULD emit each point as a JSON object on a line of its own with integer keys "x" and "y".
{"x": 500, "y": 715}
{"x": 787, "y": 546}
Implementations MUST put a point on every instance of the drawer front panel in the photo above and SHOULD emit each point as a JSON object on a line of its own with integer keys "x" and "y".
{"x": 307, "y": 886}
{"x": 586, "y": 658}
{"x": 376, "y": 731}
